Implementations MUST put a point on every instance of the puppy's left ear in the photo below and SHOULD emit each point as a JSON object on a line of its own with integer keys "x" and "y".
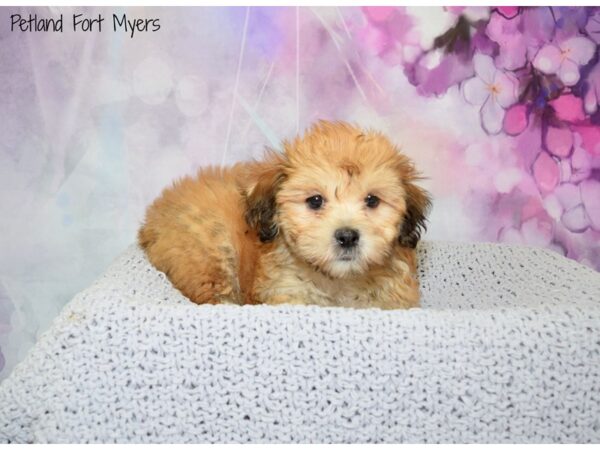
{"x": 418, "y": 204}
{"x": 261, "y": 206}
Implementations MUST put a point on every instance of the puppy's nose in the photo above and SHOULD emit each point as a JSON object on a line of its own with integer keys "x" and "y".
{"x": 347, "y": 237}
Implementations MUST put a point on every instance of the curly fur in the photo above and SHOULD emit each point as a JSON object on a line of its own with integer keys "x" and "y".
{"x": 245, "y": 234}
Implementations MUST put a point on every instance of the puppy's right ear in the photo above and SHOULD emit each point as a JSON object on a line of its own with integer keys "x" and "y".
{"x": 261, "y": 206}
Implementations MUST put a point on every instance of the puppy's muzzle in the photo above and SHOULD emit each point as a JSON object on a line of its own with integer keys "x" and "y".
{"x": 347, "y": 238}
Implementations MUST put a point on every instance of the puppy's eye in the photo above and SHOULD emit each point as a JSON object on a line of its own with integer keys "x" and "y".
{"x": 314, "y": 202}
{"x": 372, "y": 201}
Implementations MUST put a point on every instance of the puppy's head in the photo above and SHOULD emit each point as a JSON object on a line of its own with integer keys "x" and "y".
{"x": 340, "y": 198}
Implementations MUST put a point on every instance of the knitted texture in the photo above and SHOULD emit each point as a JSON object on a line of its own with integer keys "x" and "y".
{"x": 505, "y": 349}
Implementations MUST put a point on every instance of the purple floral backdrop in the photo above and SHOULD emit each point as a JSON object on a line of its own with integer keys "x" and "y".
{"x": 533, "y": 75}
{"x": 497, "y": 106}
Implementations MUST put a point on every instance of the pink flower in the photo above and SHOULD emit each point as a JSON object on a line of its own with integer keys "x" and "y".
{"x": 559, "y": 141}
{"x": 492, "y": 88}
{"x": 564, "y": 58}
{"x": 590, "y": 138}
{"x": 508, "y": 11}
{"x": 516, "y": 120}
{"x": 568, "y": 108}
{"x": 546, "y": 172}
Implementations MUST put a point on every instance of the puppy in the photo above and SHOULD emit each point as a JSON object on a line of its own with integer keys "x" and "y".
{"x": 331, "y": 221}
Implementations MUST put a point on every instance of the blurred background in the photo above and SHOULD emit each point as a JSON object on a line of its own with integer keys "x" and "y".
{"x": 497, "y": 106}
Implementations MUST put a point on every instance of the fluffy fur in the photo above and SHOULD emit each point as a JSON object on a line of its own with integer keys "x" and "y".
{"x": 251, "y": 234}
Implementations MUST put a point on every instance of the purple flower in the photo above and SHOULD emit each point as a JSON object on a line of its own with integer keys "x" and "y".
{"x": 593, "y": 27}
{"x": 581, "y": 165}
{"x": 564, "y": 58}
{"x": 491, "y": 88}
{"x": 512, "y": 53}
{"x": 577, "y": 206}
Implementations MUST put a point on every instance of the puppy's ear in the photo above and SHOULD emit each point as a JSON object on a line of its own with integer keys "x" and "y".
{"x": 418, "y": 204}
{"x": 260, "y": 196}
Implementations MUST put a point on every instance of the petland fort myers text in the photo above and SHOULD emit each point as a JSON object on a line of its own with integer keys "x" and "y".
{"x": 82, "y": 23}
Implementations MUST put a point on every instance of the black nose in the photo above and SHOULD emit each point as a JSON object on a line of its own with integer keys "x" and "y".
{"x": 346, "y": 237}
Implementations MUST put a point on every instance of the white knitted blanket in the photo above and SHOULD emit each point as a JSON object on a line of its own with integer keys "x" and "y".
{"x": 505, "y": 349}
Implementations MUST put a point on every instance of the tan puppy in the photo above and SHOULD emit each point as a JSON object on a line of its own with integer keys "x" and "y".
{"x": 332, "y": 221}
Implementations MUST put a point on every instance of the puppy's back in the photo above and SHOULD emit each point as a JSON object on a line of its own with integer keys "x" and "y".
{"x": 196, "y": 234}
